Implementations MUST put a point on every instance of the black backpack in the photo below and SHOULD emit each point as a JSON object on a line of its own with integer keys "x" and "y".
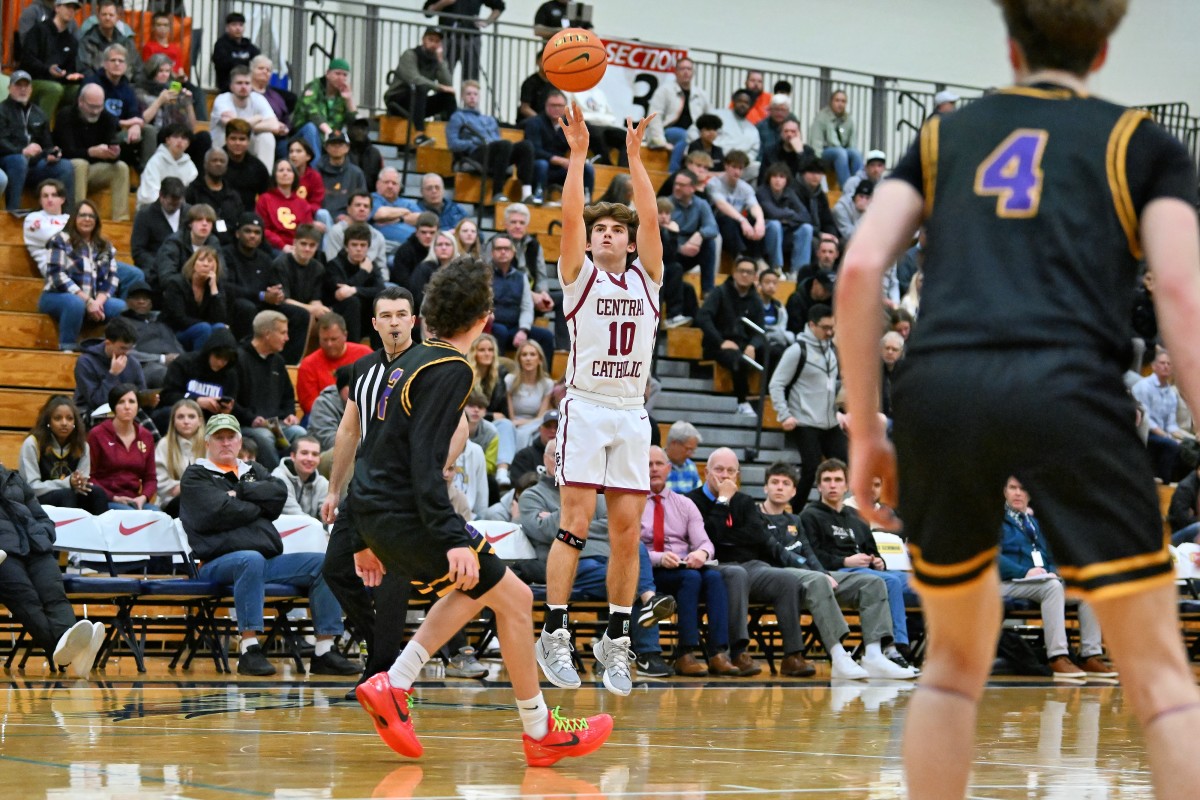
{"x": 799, "y": 368}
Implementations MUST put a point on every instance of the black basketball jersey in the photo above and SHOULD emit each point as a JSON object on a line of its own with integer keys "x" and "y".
{"x": 367, "y": 381}
{"x": 399, "y": 465}
{"x": 1032, "y": 199}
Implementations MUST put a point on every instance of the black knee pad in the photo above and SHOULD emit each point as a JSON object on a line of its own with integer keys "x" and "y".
{"x": 569, "y": 538}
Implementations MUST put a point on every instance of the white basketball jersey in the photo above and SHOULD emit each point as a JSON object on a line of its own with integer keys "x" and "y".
{"x": 613, "y": 321}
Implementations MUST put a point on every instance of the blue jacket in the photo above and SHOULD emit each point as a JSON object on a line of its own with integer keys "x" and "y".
{"x": 547, "y": 138}
{"x": 93, "y": 380}
{"x": 509, "y": 294}
{"x": 1020, "y": 534}
{"x": 119, "y": 98}
{"x": 468, "y": 129}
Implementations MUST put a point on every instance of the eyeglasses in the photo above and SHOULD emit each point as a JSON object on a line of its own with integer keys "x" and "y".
{"x": 85, "y": 215}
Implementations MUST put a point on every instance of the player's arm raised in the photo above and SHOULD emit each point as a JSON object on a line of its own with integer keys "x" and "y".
{"x": 574, "y": 233}
{"x": 649, "y": 243}
{"x": 882, "y": 235}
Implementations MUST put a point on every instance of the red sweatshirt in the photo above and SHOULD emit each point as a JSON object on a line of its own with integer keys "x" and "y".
{"x": 316, "y": 372}
{"x": 121, "y": 470}
{"x": 281, "y": 215}
{"x": 170, "y": 50}
{"x": 312, "y": 188}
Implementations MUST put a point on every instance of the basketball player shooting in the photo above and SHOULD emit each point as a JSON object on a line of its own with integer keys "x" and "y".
{"x": 611, "y": 302}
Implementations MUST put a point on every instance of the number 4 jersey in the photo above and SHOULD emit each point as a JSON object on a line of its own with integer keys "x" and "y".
{"x": 1032, "y": 200}
{"x": 613, "y": 320}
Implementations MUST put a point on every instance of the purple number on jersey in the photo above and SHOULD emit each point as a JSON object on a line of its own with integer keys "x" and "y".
{"x": 381, "y": 407}
{"x": 1012, "y": 173}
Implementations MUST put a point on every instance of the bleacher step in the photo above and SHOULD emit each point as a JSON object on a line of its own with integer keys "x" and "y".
{"x": 680, "y": 405}
{"x": 37, "y": 370}
{"x": 722, "y": 418}
{"x": 670, "y": 368}
{"x": 674, "y": 384}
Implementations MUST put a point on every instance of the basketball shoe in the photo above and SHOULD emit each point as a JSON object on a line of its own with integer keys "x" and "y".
{"x": 390, "y": 710}
{"x": 567, "y": 738}
{"x": 553, "y": 650}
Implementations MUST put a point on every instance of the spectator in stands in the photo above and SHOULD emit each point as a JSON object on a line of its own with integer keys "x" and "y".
{"x": 31, "y": 584}
{"x": 540, "y": 508}
{"x": 164, "y": 41}
{"x": 358, "y": 210}
{"x": 33, "y": 15}
{"x": 121, "y": 100}
{"x": 303, "y": 277}
{"x": 466, "y": 238}
{"x": 911, "y": 302}
{"x": 1024, "y": 555}
{"x": 81, "y": 276}
{"x": 872, "y": 171}
{"x": 513, "y": 323}
{"x": 194, "y": 301}
{"x": 814, "y": 287}
{"x": 944, "y": 102}
{"x": 306, "y": 487}
{"x": 1183, "y": 514}
{"x": 533, "y": 92}
{"x": 86, "y": 135}
{"x": 281, "y": 100}
{"x": 816, "y": 201}
{"x": 247, "y": 175}
{"x": 467, "y": 475}
{"x": 677, "y": 106}
{"x": 698, "y": 229}
{"x": 326, "y": 105}
{"x": 326, "y": 413}
{"x": 165, "y": 103}
{"x": 155, "y": 223}
{"x": 227, "y": 507}
{"x": 208, "y": 376}
{"x": 475, "y": 136}
{"x": 775, "y": 318}
{"x": 709, "y": 127}
{"x": 462, "y": 34}
{"x": 333, "y": 351}
{"x": 530, "y": 390}
{"x": 423, "y": 87}
{"x": 832, "y": 137}
{"x": 354, "y": 283}
{"x": 48, "y": 53}
{"x": 231, "y": 50}
{"x": 392, "y": 215}
{"x": 441, "y": 253}
{"x": 739, "y": 215}
{"x": 123, "y": 453}
{"x": 199, "y": 222}
{"x": 27, "y": 155}
{"x": 891, "y": 351}
{"x": 176, "y": 451}
{"x": 210, "y": 189}
{"x": 55, "y": 461}
{"x": 790, "y": 150}
{"x": 1160, "y": 398}
{"x": 739, "y": 133}
{"x": 156, "y": 344}
{"x": 363, "y": 153}
{"x": 170, "y": 160}
{"x": 1145, "y": 320}
{"x": 265, "y": 397}
{"x": 551, "y": 17}
{"x": 679, "y": 549}
{"x": 43, "y": 225}
{"x": 604, "y": 130}
{"x": 341, "y": 177}
{"x": 415, "y": 249}
{"x": 104, "y": 363}
{"x": 282, "y": 210}
{"x": 727, "y": 340}
{"x": 309, "y": 185}
{"x": 902, "y": 321}
{"x": 242, "y": 102}
{"x": 530, "y": 258}
{"x": 108, "y": 30}
{"x": 490, "y": 381}
{"x": 682, "y": 441}
{"x": 482, "y": 432}
{"x": 848, "y": 210}
{"x": 529, "y": 457}
{"x": 433, "y": 199}
{"x": 550, "y": 150}
{"x": 841, "y": 539}
{"x": 789, "y": 229}
{"x": 804, "y": 394}
{"x": 254, "y": 285}
{"x": 770, "y": 123}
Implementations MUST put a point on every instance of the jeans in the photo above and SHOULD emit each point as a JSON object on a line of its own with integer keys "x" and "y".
{"x": 508, "y": 441}
{"x": 19, "y": 172}
{"x": 194, "y": 336}
{"x": 310, "y": 133}
{"x": 1186, "y": 535}
{"x": 678, "y": 139}
{"x": 846, "y": 161}
{"x": 545, "y": 174}
{"x": 707, "y": 261}
{"x": 3, "y": 184}
{"x": 1164, "y": 455}
{"x": 897, "y": 586}
{"x": 591, "y": 584}
{"x": 543, "y": 336}
{"x": 249, "y": 572}
{"x": 268, "y": 455}
{"x": 801, "y": 237}
{"x": 127, "y": 275}
{"x": 68, "y": 311}
{"x": 687, "y": 585}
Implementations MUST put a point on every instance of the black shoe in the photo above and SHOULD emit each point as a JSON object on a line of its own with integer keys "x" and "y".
{"x": 422, "y": 140}
{"x": 657, "y": 608}
{"x": 332, "y": 663}
{"x": 253, "y": 662}
{"x": 652, "y": 665}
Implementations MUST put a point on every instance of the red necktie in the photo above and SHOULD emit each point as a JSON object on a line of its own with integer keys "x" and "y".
{"x": 660, "y": 515}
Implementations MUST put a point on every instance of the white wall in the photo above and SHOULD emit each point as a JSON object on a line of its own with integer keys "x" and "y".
{"x": 954, "y": 41}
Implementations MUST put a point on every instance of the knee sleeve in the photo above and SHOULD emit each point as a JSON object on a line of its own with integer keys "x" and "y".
{"x": 571, "y": 539}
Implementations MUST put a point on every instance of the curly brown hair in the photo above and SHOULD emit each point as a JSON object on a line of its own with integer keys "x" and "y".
{"x": 457, "y": 296}
{"x": 1062, "y": 34}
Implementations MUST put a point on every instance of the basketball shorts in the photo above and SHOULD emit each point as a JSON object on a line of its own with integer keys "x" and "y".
{"x": 606, "y": 449}
{"x": 406, "y": 547}
{"x": 1059, "y": 421}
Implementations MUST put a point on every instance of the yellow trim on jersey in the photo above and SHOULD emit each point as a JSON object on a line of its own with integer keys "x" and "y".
{"x": 1127, "y": 564}
{"x": 1042, "y": 94}
{"x": 929, "y": 161}
{"x": 404, "y": 402}
{"x": 1118, "y": 180}
{"x": 922, "y": 588}
{"x": 1125, "y": 588}
{"x": 951, "y": 570}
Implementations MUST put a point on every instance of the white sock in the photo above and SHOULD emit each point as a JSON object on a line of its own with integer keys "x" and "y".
{"x": 535, "y": 717}
{"x": 612, "y": 609}
{"x": 248, "y": 642}
{"x": 890, "y": 651}
{"x": 407, "y": 669}
{"x": 874, "y": 651}
{"x": 837, "y": 653}
{"x": 322, "y": 647}
{"x": 526, "y": 190}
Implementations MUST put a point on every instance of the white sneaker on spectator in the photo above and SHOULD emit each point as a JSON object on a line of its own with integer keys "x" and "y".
{"x": 880, "y": 666}
{"x": 746, "y": 410}
{"x": 73, "y": 642}
{"x": 678, "y": 321}
{"x": 502, "y": 478}
{"x": 3, "y": 555}
{"x": 844, "y": 667}
{"x": 83, "y": 663}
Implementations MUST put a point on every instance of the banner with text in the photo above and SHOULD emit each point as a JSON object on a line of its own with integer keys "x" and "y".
{"x": 635, "y": 71}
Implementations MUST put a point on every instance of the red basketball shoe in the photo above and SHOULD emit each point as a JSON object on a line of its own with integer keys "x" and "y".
{"x": 567, "y": 738}
{"x": 389, "y": 708}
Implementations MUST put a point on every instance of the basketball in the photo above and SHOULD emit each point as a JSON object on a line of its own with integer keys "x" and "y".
{"x": 574, "y": 60}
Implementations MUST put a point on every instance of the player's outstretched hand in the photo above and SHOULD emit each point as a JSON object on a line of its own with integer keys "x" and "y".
{"x": 635, "y": 134}
{"x": 464, "y": 567}
{"x": 574, "y": 128}
{"x": 872, "y": 456}
{"x": 368, "y": 567}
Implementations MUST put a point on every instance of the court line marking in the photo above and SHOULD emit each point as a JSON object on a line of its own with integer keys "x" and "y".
{"x": 100, "y": 769}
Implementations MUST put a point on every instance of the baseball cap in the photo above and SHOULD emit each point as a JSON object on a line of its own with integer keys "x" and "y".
{"x": 877, "y": 155}
{"x": 221, "y": 422}
{"x": 20, "y": 75}
{"x": 432, "y": 32}
{"x": 339, "y": 63}
{"x": 865, "y": 188}
{"x": 249, "y": 218}
{"x": 336, "y": 137}
{"x": 550, "y": 418}
{"x": 138, "y": 286}
{"x": 945, "y": 96}
{"x": 66, "y": 2}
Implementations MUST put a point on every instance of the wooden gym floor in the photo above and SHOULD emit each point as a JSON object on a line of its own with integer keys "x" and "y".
{"x": 201, "y": 735}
